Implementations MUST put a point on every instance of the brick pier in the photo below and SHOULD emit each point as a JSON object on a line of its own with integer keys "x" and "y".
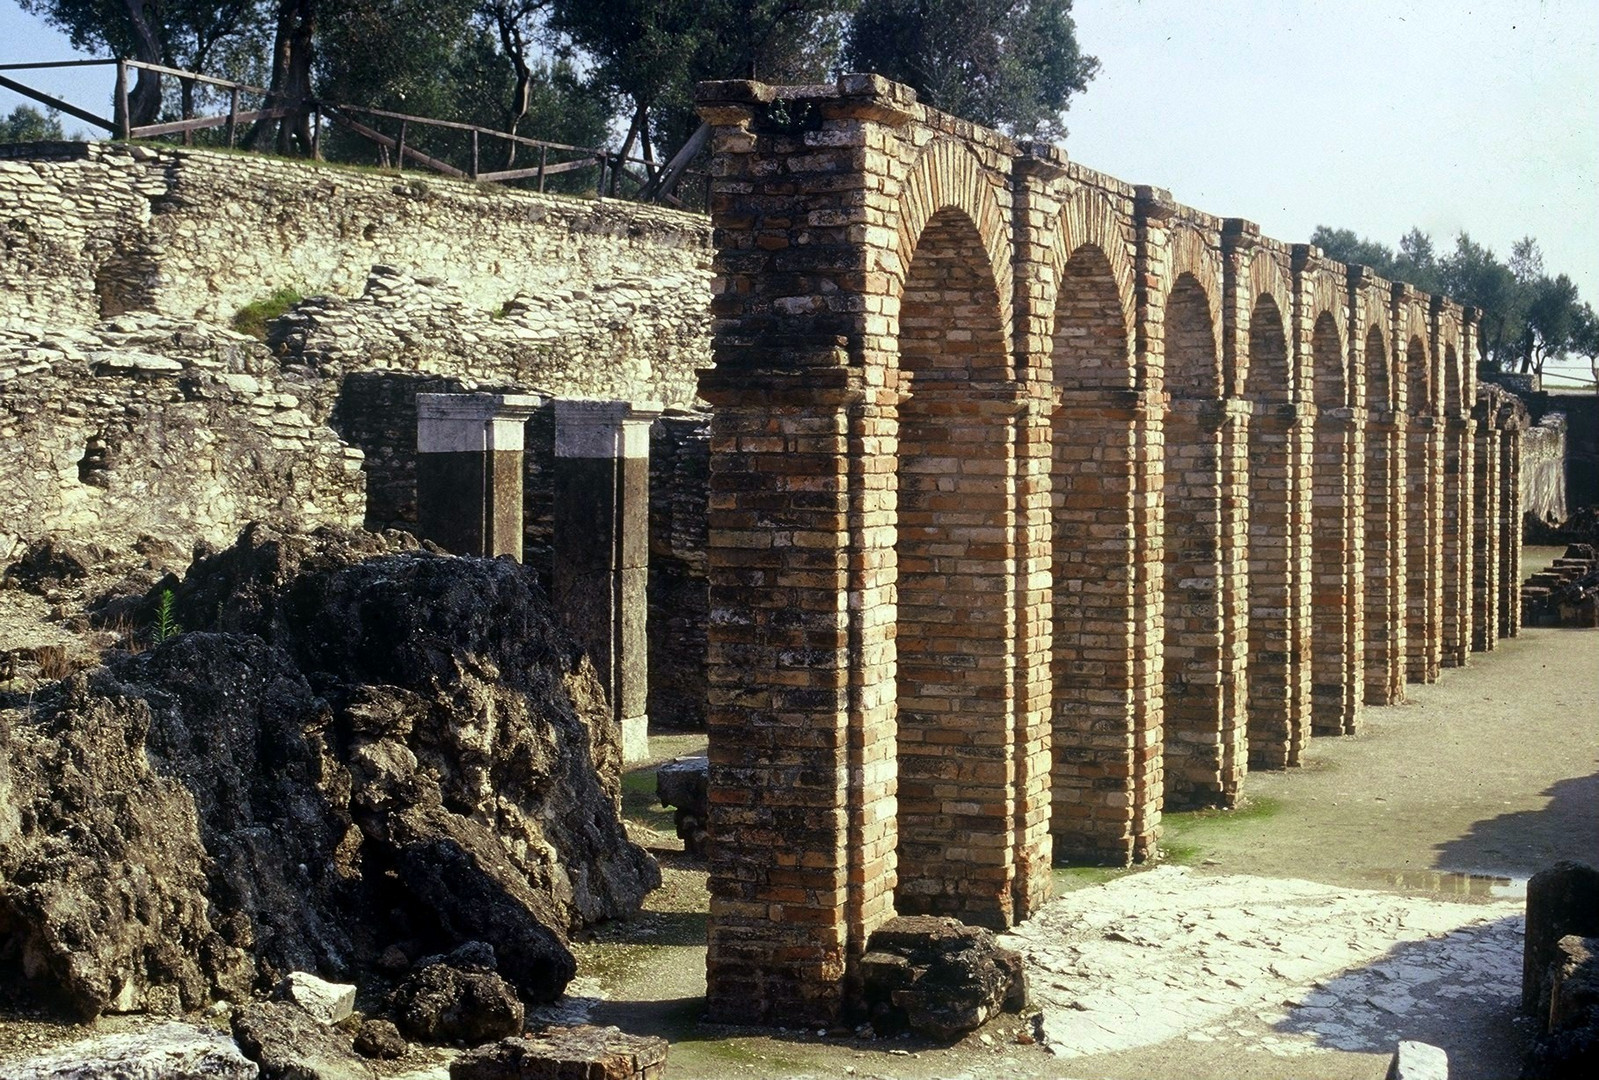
{"x": 1040, "y": 502}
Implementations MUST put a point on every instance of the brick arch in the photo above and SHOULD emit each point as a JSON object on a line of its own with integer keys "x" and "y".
{"x": 1379, "y": 369}
{"x": 952, "y": 535}
{"x": 1329, "y": 362}
{"x": 1268, "y": 280}
{"x": 946, "y": 177}
{"x": 1273, "y": 720}
{"x": 1091, "y": 277}
{"x": 1269, "y": 377}
{"x": 1328, "y": 366}
{"x": 1193, "y": 354}
{"x": 1416, "y": 363}
{"x": 1337, "y": 655}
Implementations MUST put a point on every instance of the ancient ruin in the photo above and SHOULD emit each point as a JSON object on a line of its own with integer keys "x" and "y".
{"x": 1039, "y": 502}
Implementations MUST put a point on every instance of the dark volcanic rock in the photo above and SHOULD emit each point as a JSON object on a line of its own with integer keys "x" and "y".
{"x": 380, "y": 1039}
{"x": 1561, "y": 899}
{"x": 289, "y": 1045}
{"x": 444, "y": 1003}
{"x": 938, "y": 977}
{"x": 358, "y": 744}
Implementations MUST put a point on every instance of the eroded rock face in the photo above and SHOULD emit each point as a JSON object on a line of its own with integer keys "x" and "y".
{"x": 357, "y": 743}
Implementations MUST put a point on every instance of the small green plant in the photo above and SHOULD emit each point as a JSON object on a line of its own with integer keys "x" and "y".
{"x": 166, "y": 627}
{"x": 254, "y": 317}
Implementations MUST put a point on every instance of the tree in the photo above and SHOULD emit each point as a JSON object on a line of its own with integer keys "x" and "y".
{"x": 27, "y": 124}
{"x": 651, "y": 53}
{"x": 1010, "y": 64}
{"x": 1554, "y": 320}
{"x": 177, "y": 33}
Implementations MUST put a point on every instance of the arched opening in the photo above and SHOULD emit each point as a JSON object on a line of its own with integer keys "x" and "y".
{"x": 1200, "y": 736}
{"x": 1334, "y": 650}
{"x": 1421, "y": 505}
{"x": 1384, "y": 619}
{"x": 1274, "y": 736}
{"x": 1096, "y": 724}
{"x": 953, "y": 549}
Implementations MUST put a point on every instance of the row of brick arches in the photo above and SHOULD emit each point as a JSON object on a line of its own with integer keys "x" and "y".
{"x": 1040, "y": 503}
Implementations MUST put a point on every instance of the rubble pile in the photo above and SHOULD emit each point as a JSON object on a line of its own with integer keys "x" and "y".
{"x": 1565, "y": 594}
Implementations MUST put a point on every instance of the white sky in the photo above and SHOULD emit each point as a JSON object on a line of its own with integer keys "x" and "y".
{"x": 1373, "y": 115}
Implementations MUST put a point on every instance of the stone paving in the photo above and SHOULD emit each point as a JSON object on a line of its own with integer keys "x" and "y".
{"x": 1280, "y": 965}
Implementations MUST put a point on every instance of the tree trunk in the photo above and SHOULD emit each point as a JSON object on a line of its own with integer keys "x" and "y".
{"x": 291, "y": 79}
{"x": 144, "y": 101}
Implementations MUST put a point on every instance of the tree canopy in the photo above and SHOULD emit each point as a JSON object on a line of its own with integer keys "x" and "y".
{"x": 1528, "y": 315}
{"x": 579, "y": 72}
{"x": 27, "y": 124}
{"x": 1010, "y": 64}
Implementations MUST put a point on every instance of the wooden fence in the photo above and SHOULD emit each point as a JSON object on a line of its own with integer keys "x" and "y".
{"x": 658, "y": 183}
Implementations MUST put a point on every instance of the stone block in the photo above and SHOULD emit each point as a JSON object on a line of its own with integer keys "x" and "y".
{"x": 326, "y": 1002}
{"x": 572, "y": 1053}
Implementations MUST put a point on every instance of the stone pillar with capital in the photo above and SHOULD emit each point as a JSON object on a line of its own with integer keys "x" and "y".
{"x": 602, "y": 546}
{"x": 469, "y": 471}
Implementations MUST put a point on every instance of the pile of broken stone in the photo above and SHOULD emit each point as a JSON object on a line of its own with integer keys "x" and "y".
{"x": 364, "y": 772}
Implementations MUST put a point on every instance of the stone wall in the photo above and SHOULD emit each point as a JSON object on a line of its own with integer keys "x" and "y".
{"x": 1543, "y": 469}
{"x": 128, "y": 405}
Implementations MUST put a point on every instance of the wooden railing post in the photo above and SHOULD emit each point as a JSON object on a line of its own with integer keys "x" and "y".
{"x": 233, "y": 118}
{"x": 124, "y": 121}
{"x": 316, "y": 134}
{"x": 474, "y": 153}
{"x": 544, "y": 156}
{"x": 399, "y": 150}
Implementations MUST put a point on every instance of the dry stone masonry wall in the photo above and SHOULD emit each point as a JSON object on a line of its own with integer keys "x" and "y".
{"x": 1543, "y": 469}
{"x": 129, "y": 406}
{"x": 1040, "y": 502}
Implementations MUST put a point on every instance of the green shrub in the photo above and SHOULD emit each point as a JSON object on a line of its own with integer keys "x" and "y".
{"x": 254, "y": 317}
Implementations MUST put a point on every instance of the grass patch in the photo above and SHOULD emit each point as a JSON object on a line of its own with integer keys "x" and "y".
{"x": 1071, "y": 878}
{"x": 640, "y": 806}
{"x": 254, "y": 317}
{"x": 1189, "y": 835}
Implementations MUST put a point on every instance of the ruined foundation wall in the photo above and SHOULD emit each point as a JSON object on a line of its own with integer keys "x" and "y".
{"x": 127, "y": 406}
{"x": 1543, "y": 469}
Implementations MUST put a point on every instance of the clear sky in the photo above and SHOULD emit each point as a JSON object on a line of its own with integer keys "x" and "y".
{"x": 1373, "y": 115}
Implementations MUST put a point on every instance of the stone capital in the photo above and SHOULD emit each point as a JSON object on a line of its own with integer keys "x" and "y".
{"x": 603, "y": 429}
{"x": 468, "y": 423}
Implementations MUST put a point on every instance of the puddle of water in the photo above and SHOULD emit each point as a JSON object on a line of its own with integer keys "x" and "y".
{"x": 1454, "y": 883}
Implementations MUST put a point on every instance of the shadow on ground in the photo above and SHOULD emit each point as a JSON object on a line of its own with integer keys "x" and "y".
{"x": 1522, "y": 843}
{"x": 1459, "y": 992}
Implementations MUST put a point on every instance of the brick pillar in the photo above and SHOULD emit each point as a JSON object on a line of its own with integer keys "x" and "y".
{"x": 1205, "y": 749}
{"x": 469, "y": 471}
{"x": 1485, "y": 536}
{"x": 1456, "y": 547}
{"x": 602, "y": 548}
{"x": 1103, "y": 731}
{"x": 1385, "y": 557}
{"x": 1424, "y": 550}
{"x": 1337, "y": 658}
{"x": 1510, "y": 530}
{"x": 1279, "y": 687}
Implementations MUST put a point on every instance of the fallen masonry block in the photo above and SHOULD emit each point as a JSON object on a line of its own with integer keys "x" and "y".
{"x": 1561, "y": 900}
{"x": 570, "y": 1053}
{"x": 325, "y": 1001}
{"x": 683, "y": 783}
{"x": 1418, "y": 1061}
{"x": 938, "y": 977}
